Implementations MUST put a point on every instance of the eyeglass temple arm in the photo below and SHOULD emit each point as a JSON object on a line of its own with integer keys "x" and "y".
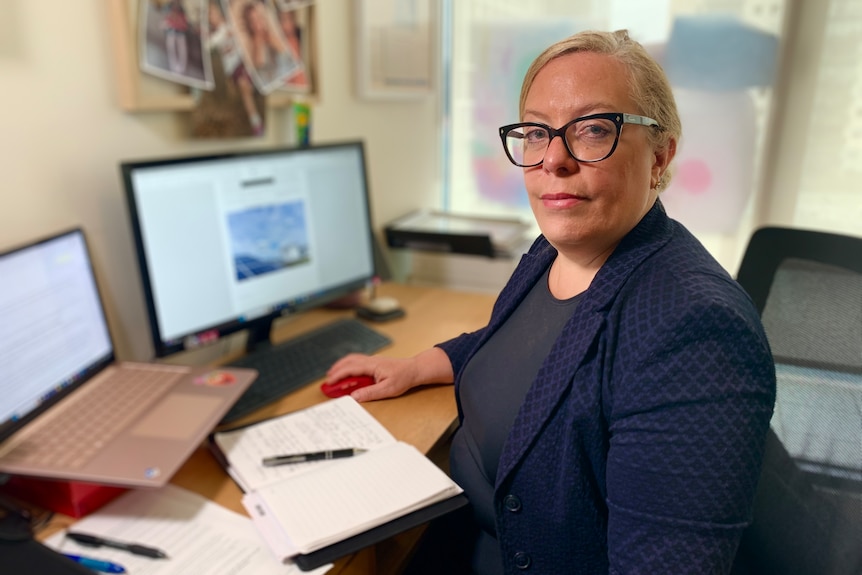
{"x": 641, "y": 120}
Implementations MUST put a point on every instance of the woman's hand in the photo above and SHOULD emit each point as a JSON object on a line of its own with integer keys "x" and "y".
{"x": 392, "y": 376}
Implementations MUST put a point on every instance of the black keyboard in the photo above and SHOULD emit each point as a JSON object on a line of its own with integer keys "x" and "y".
{"x": 297, "y": 362}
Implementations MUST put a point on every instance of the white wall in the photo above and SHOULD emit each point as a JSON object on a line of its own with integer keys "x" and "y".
{"x": 63, "y": 136}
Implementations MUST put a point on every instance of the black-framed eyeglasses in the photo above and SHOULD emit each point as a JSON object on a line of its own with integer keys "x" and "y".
{"x": 590, "y": 138}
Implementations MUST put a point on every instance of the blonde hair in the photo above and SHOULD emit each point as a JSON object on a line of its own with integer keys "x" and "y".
{"x": 648, "y": 84}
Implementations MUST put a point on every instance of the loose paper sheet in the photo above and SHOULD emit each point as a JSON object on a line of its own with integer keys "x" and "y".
{"x": 198, "y": 535}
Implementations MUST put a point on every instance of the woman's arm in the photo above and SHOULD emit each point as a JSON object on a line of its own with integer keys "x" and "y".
{"x": 393, "y": 376}
{"x": 688, "y": 419}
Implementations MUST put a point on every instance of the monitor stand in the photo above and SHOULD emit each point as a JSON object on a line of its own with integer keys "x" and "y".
{"x": 258, "y": 337}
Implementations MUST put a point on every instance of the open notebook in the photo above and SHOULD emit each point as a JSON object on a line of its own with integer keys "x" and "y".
{"x": 312, "y": 513}
{"x": 68, "y": 410}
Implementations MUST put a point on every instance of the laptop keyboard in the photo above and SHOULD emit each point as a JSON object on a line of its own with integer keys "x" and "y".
{"x": 292, "y": 364}
{"x": 93, "y": 416}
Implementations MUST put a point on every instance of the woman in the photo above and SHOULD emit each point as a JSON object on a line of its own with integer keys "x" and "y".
{"x": 293, "y": 34}
{"x": 613, "y": 411}
{"x": 176, "y": 27}
{"x": 267, "y": 53}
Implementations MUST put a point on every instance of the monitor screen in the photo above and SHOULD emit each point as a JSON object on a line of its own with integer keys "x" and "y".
{"x": 232, "y": 241}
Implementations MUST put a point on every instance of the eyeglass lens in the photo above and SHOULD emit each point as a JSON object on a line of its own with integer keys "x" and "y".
{"x": 588, "y": 141}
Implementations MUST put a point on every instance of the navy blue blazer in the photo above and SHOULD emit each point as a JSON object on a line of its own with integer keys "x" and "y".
{"x": 638, "y": 447}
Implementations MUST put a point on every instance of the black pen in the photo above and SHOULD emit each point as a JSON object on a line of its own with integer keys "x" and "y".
{"x": 134, "y": 548}
{"x": 316, "y": 456}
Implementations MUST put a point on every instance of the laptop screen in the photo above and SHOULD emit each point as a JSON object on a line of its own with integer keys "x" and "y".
{"x": 54, "y": 334}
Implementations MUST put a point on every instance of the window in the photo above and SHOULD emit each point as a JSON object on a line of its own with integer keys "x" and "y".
{"x": 829, "y": 194}
{"x": 725, "y": 110}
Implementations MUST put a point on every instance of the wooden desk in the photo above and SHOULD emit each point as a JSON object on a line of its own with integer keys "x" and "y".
{"x": 423, "y": 417}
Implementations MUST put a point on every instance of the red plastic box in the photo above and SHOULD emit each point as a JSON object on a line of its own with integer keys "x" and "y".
{"x": 72, "y": 498}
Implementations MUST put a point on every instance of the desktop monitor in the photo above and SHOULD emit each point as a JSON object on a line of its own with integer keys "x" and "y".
{"x": 232, "y": 241}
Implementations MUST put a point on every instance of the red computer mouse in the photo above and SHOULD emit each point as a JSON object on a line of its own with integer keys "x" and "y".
{"x": 346, "y": 385}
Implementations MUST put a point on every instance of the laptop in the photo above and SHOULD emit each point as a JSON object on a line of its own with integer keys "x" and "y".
{"x": 68, "y": 409}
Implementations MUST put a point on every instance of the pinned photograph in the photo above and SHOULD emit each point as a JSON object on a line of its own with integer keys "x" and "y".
{"x": 294, "y": 19}
{"x": 268, "y": 57}
{"x": 268, "y": 238}
{"x": 172, "y": 36}
{"x": 234, "y": 107}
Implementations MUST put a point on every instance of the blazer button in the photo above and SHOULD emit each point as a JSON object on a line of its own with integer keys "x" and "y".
{"x": 512, "y": 503}
{"x": 522, "y": 560}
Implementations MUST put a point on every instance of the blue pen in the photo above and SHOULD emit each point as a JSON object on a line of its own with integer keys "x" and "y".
{"x": 96, "y": 564}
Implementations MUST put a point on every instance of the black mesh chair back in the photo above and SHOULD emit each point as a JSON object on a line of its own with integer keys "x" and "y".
{"x": 807, "y": 287}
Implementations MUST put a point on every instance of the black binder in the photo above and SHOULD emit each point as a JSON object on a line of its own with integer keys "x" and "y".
{"x": 365, "y": 539}
{"x": 376, "y": 535}
{"x": 29, "y": 556}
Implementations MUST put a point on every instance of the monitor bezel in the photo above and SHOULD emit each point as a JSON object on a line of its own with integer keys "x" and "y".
{"x": 259, "y": 327}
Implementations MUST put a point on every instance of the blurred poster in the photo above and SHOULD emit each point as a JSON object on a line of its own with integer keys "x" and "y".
{"x": 172, "y": 36}
{"x": 496, "y": 85}
{"x": 719, "y": 66}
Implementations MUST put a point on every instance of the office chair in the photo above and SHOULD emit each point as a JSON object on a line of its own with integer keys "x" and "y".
{"x": 807, "y": 515}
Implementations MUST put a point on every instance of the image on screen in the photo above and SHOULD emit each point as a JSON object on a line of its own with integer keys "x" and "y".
{"x": 266, "y": 239}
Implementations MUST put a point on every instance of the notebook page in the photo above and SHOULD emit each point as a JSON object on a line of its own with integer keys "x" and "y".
{"x": 335, "y": 424}
{"x": 330, "y": 504}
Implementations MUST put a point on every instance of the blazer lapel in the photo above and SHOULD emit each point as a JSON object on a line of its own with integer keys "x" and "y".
{"x": 568, "y": 352}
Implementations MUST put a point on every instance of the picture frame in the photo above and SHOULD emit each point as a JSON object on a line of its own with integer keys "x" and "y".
{"x": 396, "y": 44}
